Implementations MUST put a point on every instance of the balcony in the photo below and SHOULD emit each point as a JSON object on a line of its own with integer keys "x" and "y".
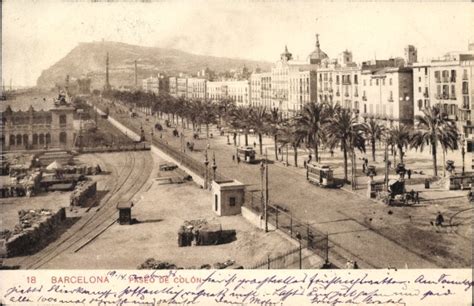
{"x": 464, "y": 76}
{"x": 364, "y": 98}
{"x": 331, "y": 90}
{"x": 465, "y": 91}
{"x": 426, "y": 95}
{"x": 356, "y": 94}
{"x": 346, "y": 82}
{"x": 465, "y": 106}
{"x": 438, "y": 80}
{"x": 346, "y": 94}
{"x": 453, "y": 79}
{"x": 390, "y": 99}
{"x": 453, "y": 97}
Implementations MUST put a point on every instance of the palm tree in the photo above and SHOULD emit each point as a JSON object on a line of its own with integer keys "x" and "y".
{"x": 207, "y": 114}
{"x": 342, "y": 129}
{"x": 257, "y": 120}
{"x": 311, "y": 119}
{"x": 373, "y": 132}
{"x": 433, "y": 127}
{"x": 290, "y": 134}
{"x": 239, "y": 119}
{"x": 399, "y": 138}
{"x": 274, "y": 123}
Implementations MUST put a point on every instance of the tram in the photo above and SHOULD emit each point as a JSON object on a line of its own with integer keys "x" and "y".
{"x": 321, "y": 175}
{"x": 247, "y": 154}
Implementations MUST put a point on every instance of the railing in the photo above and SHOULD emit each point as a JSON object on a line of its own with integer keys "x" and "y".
{"x": 289, "y": 259}
{"x": 283, "y": 220}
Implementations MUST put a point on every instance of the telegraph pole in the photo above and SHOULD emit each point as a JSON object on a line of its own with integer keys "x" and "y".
{"x": 266, "y": 191}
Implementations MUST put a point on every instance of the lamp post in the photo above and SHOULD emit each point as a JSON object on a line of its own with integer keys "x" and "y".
{"x": 214, "y": 167}
{"x": 206, "y": 174}
{"x": 298, "y": 236}
{"x": 463, "y": 154}
{"x": 266, "y": 192}
{"x": 262, "y": 186}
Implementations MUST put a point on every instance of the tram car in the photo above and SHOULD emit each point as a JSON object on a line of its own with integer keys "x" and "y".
{"x": 321, "y": 175}
{"x": 247, "y": 154}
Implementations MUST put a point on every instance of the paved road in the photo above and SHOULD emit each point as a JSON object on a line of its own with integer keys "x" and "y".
{"x": 328, "y": 210}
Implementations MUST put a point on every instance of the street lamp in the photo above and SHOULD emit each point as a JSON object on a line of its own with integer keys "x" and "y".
{"x": 463, "y": 153}
{"x": 206, "y": 174}
{"x": 214, "y": 166}
{"x": 262, "y": 194}
{"x": 298, "y": 236}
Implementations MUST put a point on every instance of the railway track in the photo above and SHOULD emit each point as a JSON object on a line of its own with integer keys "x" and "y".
{"x": 131, "y": 178}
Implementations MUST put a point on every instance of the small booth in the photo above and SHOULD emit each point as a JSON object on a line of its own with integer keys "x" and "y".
{"x": 228, "y": 197}
{"x": 247, "y": 154}
{"x": 321, "y": 175}
{"x": 125, "y": 212}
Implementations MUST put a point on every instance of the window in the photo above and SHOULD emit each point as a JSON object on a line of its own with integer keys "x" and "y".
{"x": 419, "y": 89}
{"x": 370, "y": 82}
{"x": 419, "y": 79}
{"x": 420, "y": 104}
{"x": 426, "y": 70}
{"x": 232, "y": 201}
{"x": 377, "y": 82}
{"x": 62, "y": 137}
{"x": 390, "y": 81}
{"x": 355, "y": 79}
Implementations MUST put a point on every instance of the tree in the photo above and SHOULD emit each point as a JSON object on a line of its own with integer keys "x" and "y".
{"x": 434, "y": 128}
{"x": 257, "y": 120}
{"x": 289, "y": 133}
{"x": 399, "y": 138}
{"x": 342, "y": 129}
{"x": 373, "y": 132}
{"x": 274, "y": 123}
{"x": 239, "y": 119}
{"x": 207, "y": 114}
{"x": 311, "y": 120}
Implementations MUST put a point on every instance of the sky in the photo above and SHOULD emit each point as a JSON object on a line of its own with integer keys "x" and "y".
{"x": 36, "y": 34}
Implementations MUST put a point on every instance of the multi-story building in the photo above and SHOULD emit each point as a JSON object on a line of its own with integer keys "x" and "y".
{"x": 196, "y": 88}
{"x": 301, "y": 89}
{"x": 239, "y": 92}
{"x": 151, "y": 84}
{"x": 173, "y": 86}
{"x": 256, "y": 89}
{"x": 287, "y": 69}
{"x": 448, "y": 82}
{"x": 339, "y": 82}
{"x": 32, "y": 129}
{"x": 387, "y": 94}
{"x": 182, "y": 88}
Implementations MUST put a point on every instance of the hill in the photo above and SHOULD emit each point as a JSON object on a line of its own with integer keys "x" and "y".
{"x": 89, "y": 59}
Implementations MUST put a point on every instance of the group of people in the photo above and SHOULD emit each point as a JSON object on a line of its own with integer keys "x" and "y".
{"x": 234, "y": 158}
{"x": 352, "y": 265}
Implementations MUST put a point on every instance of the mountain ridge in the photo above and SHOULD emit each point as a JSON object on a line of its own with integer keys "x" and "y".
{"x": 88, "y": 59}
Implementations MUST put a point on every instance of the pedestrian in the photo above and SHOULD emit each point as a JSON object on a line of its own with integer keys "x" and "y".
{"x": 349, "y": 264}
{"x": 233, "y": 158}
{"x": 332, "y": 153}
{"x": 409, "y": 173}
{"x": 309, "y": 158}
{"x": 389, "y": 163}
{"x": 363, "y": 167}
{"x": 439, "y": 219}
{"x": 304, "y": 164}
{"x": 417, "y": 197}
{"x": 254, "y": 144}
{"x": 238, "y": 159}
{"x": 356, "y": 266}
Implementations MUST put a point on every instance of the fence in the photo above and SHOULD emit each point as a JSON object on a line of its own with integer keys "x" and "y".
{"x": 135, "y": 147}
{"x": 283, "y": 220}
{"x": 291, "y": 259}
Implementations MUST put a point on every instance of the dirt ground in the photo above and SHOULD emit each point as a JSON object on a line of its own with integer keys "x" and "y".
{"x": 161, "y": 210}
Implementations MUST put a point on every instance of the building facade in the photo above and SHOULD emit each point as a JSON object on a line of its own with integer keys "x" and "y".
{"x": 31, "y": 129}
{"x": 173, "y": 86}
{"x": 196, "y": 88}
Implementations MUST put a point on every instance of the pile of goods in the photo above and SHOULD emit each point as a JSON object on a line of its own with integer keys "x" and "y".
{"x": 36, "y": 228}
{"x": 153, "y": 264}
{"x": 83, "y": 192}
{"x": 200, "y": 232}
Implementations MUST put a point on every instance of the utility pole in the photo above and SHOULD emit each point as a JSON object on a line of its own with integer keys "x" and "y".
{"x": 266, "y": 191}
{"x": 136, "y": 76}
{"x": 386, "y": 165}
{"x": 206, "y": 174}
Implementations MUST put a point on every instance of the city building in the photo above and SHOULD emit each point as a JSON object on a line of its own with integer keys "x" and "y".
{"x": 237, "y": 91}
{"x": 449, "y": 82}
{"x": 182, "y": 88}
{"x": 387, "y": 94}
{"x": 173, "y": 86}
{"x": 411, "y": 55}
{"x": 156, "y": 85}
{"x": 196, "y": 88}
{"x": 33, "y": 129}
{"x": 151, "y": 84}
